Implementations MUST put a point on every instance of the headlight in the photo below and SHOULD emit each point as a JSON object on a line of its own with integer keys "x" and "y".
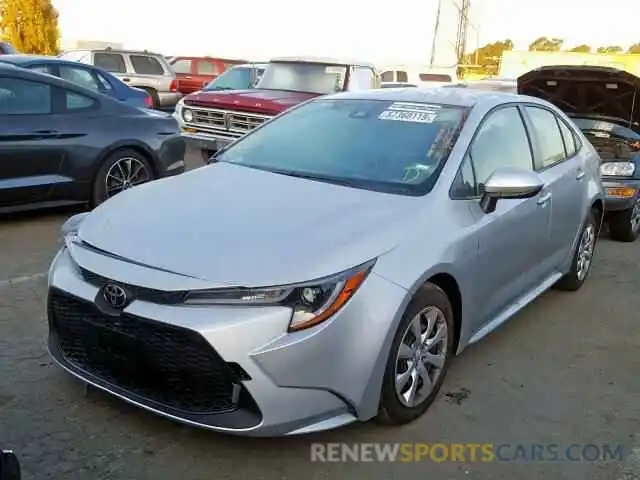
{"x": 311, "y": 302}
{"x": 617, "y": 169}
{"x": 187, "y": 115}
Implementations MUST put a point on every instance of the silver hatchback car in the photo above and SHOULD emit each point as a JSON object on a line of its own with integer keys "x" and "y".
{"x": 330, "y": 264}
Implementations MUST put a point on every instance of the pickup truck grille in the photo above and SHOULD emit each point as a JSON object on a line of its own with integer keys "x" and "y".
{"x": 228, "y": 124}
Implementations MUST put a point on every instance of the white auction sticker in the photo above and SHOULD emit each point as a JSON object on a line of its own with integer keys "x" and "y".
{"x": 409, "y": 116}
{"x": 414, "y": 107}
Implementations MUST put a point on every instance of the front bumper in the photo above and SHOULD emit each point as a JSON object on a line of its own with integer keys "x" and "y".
{"x": 206, "y": 141}
{"x": 278, "y": 383}
{"x": 620, "y": 194}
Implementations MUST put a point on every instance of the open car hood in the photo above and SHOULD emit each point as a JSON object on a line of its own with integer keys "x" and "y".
{"x": 590, "y": 91}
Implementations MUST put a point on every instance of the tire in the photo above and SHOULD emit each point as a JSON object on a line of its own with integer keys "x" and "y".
{"x": 576, "y": 276}
{"x": 624, "y": 226}
{"x": 430, "y": 299}
{"x": 155, "y": 101}
{"x": 100, "y": 192}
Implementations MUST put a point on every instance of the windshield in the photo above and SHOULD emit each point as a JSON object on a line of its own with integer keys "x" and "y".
{"x": 393, "y": 147}
{"x": 304, "y": 77}
{"x": 237, "y": 78}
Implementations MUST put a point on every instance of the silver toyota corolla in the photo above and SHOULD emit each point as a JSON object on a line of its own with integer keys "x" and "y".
{"x": 329, "y": 265}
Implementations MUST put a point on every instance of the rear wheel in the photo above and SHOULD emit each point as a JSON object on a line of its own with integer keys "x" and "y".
{"x": 419, "y": 358}
{"x": 123, "y": 169}
{"x": 624, "y": 226}
{"x": 582, "y": 257}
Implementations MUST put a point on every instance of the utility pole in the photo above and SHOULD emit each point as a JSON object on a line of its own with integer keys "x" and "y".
{"x": 436, "y": 30}
{"x": 463, "y": 26}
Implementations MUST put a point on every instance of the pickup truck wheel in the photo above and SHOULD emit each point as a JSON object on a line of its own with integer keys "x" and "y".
{"x": 624, "y": 226}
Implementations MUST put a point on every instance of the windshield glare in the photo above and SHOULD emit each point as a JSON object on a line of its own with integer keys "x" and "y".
{"x": 304, "y": 77}
{"x": 393, "y": 147}
{"x": 238, "y": 78}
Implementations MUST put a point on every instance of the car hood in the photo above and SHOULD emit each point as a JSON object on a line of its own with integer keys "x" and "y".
{"x": 592, "y": 90}
{"x": 235, "y": 226}
{"x": 252, "y": 100}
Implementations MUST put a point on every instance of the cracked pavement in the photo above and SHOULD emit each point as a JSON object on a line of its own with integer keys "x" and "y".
{"x": 565, "y": 371}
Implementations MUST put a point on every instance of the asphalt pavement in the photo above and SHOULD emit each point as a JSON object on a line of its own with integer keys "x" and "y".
{"x": 565, "y": 371}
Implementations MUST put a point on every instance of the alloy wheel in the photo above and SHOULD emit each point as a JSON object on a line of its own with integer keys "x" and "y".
{"x": 585, "y": 251}
{"x": 635, "y": 216}
{"x": 126, "y": 173}
{"x": 421, "y": 356}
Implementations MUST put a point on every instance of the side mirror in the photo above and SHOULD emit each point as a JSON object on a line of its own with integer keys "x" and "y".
{"x": 9, "y": 466}
{"x": 512, "y": 183}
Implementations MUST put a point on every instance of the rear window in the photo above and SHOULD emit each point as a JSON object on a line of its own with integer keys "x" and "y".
{"x": 111, "y": 62}
{"x": 316, "y": 78}
{"x": 146, "y": 65}
{"x": 393, "y": 147}
{"x": 435, "y": 77}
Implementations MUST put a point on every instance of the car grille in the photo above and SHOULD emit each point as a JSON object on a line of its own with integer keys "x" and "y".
{"x": 224, "y": 123}
{"x": 170, "y": 365}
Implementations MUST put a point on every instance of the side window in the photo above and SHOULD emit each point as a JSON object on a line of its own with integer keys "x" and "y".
{"x": 362, "y": 78}
{"x": 501, "y": 141}
{"x": 146, "y": 65}
{"x": 80, "y": 76}
{"x": 546, "y": 136}
{"x": 402, "y": 77}
{"x": 105, "y": 84}
{"x": 111, "y": 62}
{"x": 40, "y": 68}
{"x": 464, "y": 185}
{"x": 182, "y": 66}
{"x": 75, "y": 101}
{"x": 386, "y": 76}
{"x": 206, "y": 67}
{"x": 569, "y": 138}
{"x": 23, "y": 97}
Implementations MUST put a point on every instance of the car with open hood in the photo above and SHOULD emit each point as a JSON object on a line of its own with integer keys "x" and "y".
{"x": 366, "y": 238}
{"x": 604, "y": 103}
{"x": 211, "y": 119}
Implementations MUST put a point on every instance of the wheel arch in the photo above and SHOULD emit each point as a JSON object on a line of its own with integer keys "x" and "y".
{"x": 449, "y": 285}
{"x": 597, "y": 207}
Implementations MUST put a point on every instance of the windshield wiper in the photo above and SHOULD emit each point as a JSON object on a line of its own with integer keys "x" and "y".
{"x": 320, "y": 178}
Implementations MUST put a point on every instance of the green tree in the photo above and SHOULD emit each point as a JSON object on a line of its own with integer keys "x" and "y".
{"x": 488, "y": 56}
{"x": 635, "y": 48}
{"x": 546, "y": 44}
{"x": 580, "y": 49}
{"x": 610, "y": 49}
{"x": 30, "y": 25}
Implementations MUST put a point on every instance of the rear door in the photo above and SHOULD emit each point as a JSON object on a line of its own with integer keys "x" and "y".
{"x": 30, "y": 155}
{"x": 207, "y": 70}
{"x": 563, "y": 171}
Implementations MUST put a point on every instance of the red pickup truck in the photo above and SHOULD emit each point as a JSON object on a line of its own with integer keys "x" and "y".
{"x": 193, "y": 73}
{"x": 212, "y": 119}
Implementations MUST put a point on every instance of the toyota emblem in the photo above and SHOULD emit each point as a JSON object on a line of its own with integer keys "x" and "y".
{"x": 115, "y": 295}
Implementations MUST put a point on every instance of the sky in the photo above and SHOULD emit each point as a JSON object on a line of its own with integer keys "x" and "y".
{"x": 381, "y": 32}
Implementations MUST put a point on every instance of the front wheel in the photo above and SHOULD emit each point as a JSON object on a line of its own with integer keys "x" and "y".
{"x": 582, "y": 257}
{"x": 123, "y": 169}
{"x": 419, "y": 358}
{"x": 624, "y": 226}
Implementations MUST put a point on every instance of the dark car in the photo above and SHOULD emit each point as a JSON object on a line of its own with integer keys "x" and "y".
{"x": 604, "y": 103}
{"x": 61, "y": 143}
{"x": 86, "y": 75}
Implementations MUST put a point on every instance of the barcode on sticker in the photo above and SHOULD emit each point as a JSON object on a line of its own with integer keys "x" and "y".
{"x": 413, "y": 107}
{"x": 408, "y": 116}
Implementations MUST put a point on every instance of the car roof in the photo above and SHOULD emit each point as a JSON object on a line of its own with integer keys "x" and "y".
{"x": 323, "y": 60}
{"x": 462, "y": 97}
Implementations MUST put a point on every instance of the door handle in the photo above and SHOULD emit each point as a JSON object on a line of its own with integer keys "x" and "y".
{"x": 580, "y": 175}
{"x": 544, "y": 198}
{"x": 188, "y": 77}
{"x": 126, "y": 79}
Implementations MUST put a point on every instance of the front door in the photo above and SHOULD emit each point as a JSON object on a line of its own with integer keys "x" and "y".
{"x": 513, "y": 239}
{"x": 29, "y": 155}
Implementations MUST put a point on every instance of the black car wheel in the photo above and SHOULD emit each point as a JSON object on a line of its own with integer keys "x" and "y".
{"x": 624, "y": 226}
{"x": 155, "y": 100}
{"x": 582, "y": 257}
{"x": 419, "y": 358}
{"x": 123, "y": 169}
